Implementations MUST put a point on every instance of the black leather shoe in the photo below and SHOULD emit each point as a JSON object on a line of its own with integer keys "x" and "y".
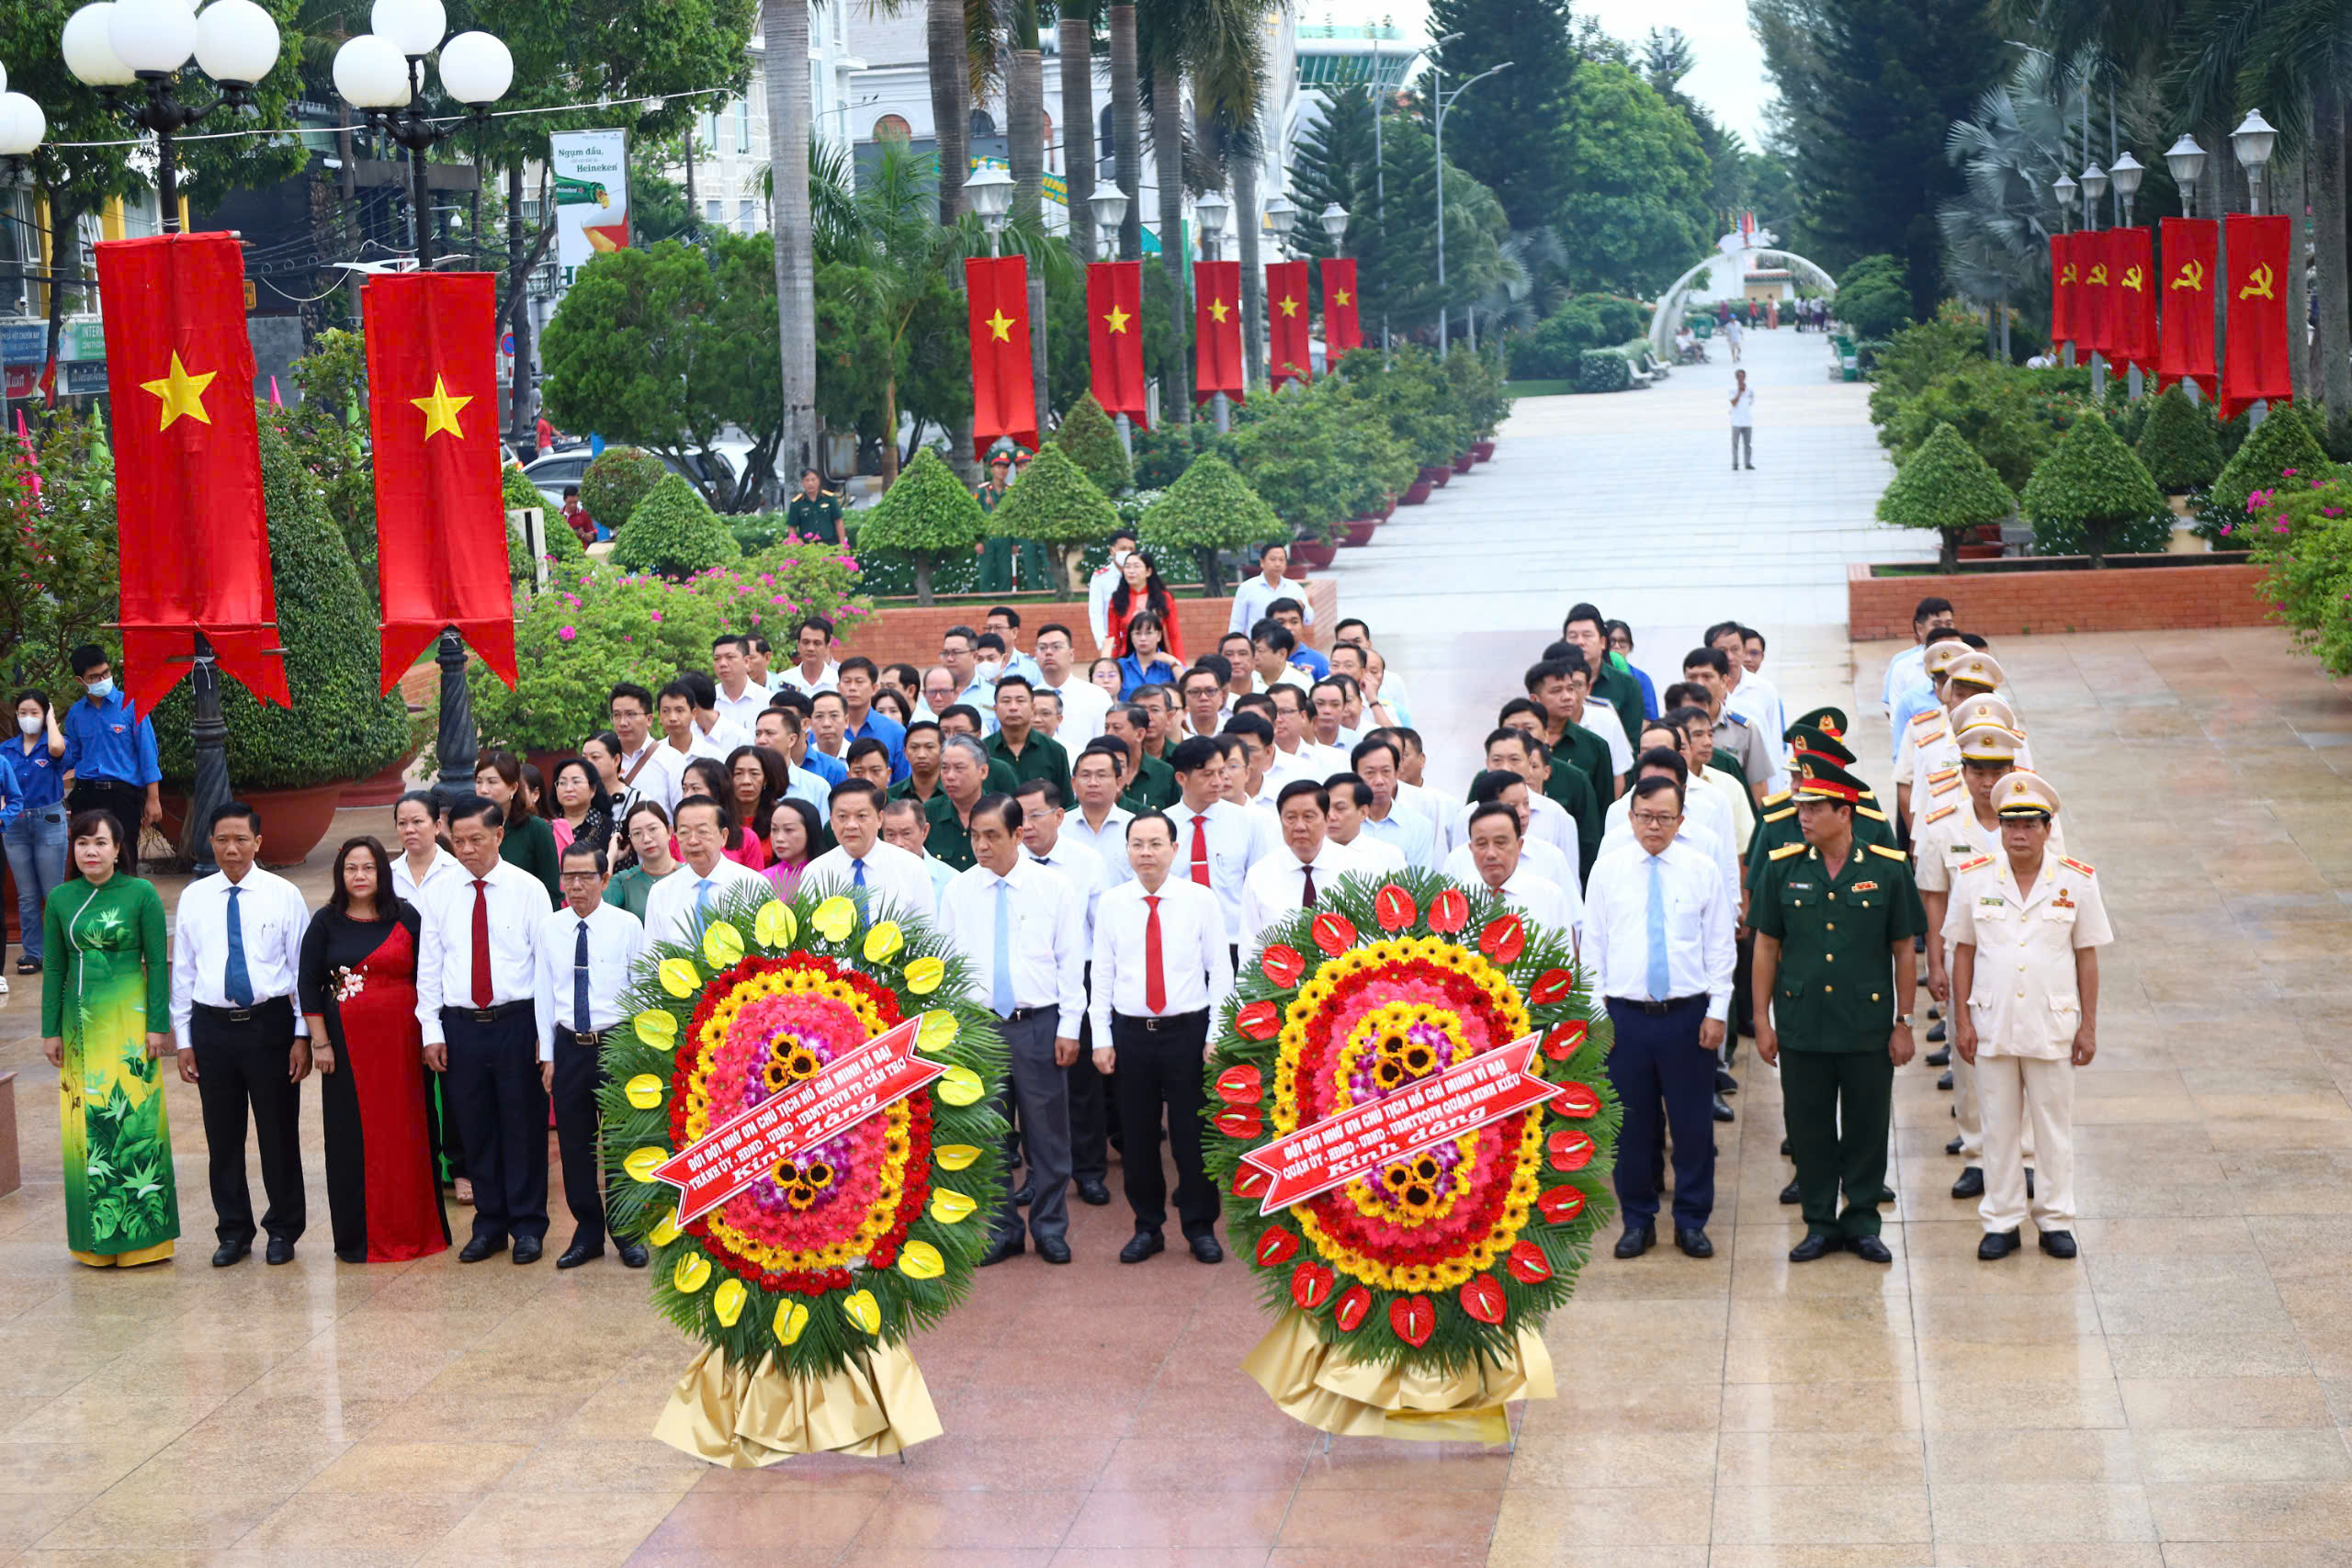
{"x": 1869, "y": 1249}
{"x": 1996, "y": 1245}
{"x": 527, "y": 1248}
{"x": 635, "y": 1254}
{"x": 1945, "y": 1080}
{"x": 1934, "y": 1009}
{"x": 2058, "y": 1244}
{"x": 1636, "y": 1240}
{"x": 1022, "y": 1195}
{"x": 1004, "y": 1247}
{"x": 1205, "y": 1248}
{"x": 1816, "y": 1244}
{"x": 279, "y": 1250}
{"x": 1970, "y": 1183}
{"x": 1792, "y": 1194}
{"x": 1142, "y": 1245}
{"x": 1784, "y": 1148}
{"x": 1091, "y": 1191}
{"x": 1954, "y": 1146}
{"x": 1939, "y": 1058}
{"x": 229, "y": 1252}
{"x": 1886, "y": 1193}
{"x": 479, "y": 1247}
{"x": 341, "y": 1257}
{"x": 1725, "y": 1083}
{"x": 1937, "y": 1034}
{"x": 1723, "y": 1111}
{"x": 575, "y": 1255}
{"x": 1053, "y": 1249}
{"x": 1694, "y": 1243}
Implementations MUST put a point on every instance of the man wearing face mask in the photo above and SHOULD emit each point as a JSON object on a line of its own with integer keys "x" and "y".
{"x": 1102, "y": 584}
{"x": 110, "y": 754}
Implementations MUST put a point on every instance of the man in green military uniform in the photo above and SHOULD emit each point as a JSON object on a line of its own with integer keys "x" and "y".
{"x": 996, "y": 554}
{"x": 1018, "y": 745}
{"x": 816, "y": 512}
{"x": 1776, "y": 823}
{"x": 1834, "y": 970}
{"x": 1150, "y": 784}
{"x": 963, "y": 779}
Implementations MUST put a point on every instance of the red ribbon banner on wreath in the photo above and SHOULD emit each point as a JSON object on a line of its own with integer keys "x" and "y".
{"x": 744, "y": 1148}
{"x": 1114, "y": 337}
{"x": 2191, "y": 255}
{"x": 2256, "y": 362}
{"x": 1355, "y": 1143}
{"x": 193, "y": 537}
{"x": 2062, "y": 289}
{"x": 1342, "y": 329}
{"x": 433, "y": 410}
{"x": 1004, "y": 386}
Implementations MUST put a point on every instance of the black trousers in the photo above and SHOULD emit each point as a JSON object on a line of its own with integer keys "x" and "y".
{"x": 1091, "y": 1113}
{"x": 126, "y": 803}
{"x": 500, "y": 1110}
{"x": 1159, "y": 1065}
{"x": 1667, "y": 1085}
{"x": 241, "y": 1065}
{"x": 579, "y": 1075}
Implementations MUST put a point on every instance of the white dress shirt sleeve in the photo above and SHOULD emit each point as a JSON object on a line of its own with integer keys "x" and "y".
{"x": 1221, "y": 963}
{"x": 1107, "y": 914}
{"x": 183, "y": 974}
{"x": 431, "y": 914}
{"x": 1069, "y": 957}
{"x": 548, "y": 988}
{"x": 1719, "y": 950}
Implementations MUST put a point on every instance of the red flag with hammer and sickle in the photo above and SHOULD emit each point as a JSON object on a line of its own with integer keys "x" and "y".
{"x": 2185, "y": 353}
{"x": 2259, "y": 357}
{"x": 2132, "y": 330}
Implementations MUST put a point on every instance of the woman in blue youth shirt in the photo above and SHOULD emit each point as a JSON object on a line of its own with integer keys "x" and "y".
{"x": 1147, "y": 662}
{"x": 32, "y": 782}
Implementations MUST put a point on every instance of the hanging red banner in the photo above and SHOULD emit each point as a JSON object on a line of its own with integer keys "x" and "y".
{"x": 1216, "y": 331}
{"x": 2257, "y": 358}
{"x": 1004, "y": 389}
{"x": 1114, "y": 336}
{"x": 1289, "y": 318}
{"x": 2132, "y": 327}
{"x": 440, "y": 519}
{"x": 1342, "y": 332}
{"x": 745, "y": 1148}
{"x": 2191, "y": 247}
{"x": 2062, "y": 289}
{"x": 193, "y": 536}
{"x": 2092, "y": 295}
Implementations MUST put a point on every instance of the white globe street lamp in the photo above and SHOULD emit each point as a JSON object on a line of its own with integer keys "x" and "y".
{"x": 2252, "y": 141}
{"x": 2186, "y": 159}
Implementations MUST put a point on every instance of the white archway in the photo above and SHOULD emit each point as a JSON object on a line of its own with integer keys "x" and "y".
{"x": 1668, "y": 319}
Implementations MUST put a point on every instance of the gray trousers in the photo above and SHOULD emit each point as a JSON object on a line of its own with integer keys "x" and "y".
{"x": 1037, "y": 1087}
{"x": 1743, "y": 444}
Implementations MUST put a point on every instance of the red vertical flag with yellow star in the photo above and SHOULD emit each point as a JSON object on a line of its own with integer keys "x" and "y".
{"x": 1217, "y": 363}
{"x": 1114, "y": 336}
{"x": 1342, "y": 332}
{"x": 194, "y": 539}
{"x": 440, "y": 518}
{"x": 1004, "y": 386}
{"x": 1289, "y": 315}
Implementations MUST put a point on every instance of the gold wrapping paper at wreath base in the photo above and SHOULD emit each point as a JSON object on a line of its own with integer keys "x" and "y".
{"x": 1328, "y": 1388}
{"x": 745, "y": 1418}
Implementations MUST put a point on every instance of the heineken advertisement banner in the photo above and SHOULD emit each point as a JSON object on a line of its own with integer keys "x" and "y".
{"x": 591, "y": 171}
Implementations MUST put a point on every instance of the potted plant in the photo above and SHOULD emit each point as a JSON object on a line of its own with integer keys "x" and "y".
{"x": 1947, "y": 487}
{"x": 1481, "y": 393}
{"x": 1056, "y": 504}
{"x": 928, "y": 514}
{"x": 1373, "y": 464}
{"x": 1208, "y": 509}
{"x": 673, "y": 532}
{"x": 1287, "y": 455}
{"x": 2181, "y": 447}
{"x": 591, "y": 630}
{"x": 2091, "y": 483}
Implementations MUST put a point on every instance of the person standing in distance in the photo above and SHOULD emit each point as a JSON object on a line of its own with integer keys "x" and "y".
{"x": 584, "y": 951}
{"x": 110, "y": 754}
{"x": 1743, "y": 417}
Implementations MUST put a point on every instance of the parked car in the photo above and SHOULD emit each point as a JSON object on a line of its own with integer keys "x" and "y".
{"x": 556, "y": 473}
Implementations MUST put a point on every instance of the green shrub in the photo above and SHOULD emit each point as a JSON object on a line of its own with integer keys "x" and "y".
{"x": 340, "y": 727}
{"x": 2179, "y": 445}
{"x": 1475, "y": 383}
{"x": 1408, "y": 391}
{"x": 1374, "y": 466}
{"x": 517, "y": 490}
{"x": 673, "y": 532}
{"x": 928, "y": 515}
{"x": 1988, "y": 406}
{"x": 1549, "y": 351}
{"x": 1092, "y": 443}
{"x": 784, "y": 585}
{"x": 2282, "y": 442}
{"x": 2088, "y": 490}
{"x": 1210, "y": 508}
{"x": 1163, "y": 454}
{"x": 2302, "y": 539}
{"x": 1946, "y": 486}
{"x": 616, "y": 481}
{"x": 1290, "y": 456}
{"x": 591, "y": 630}
{"x": 1603, "y": 370}
{"x": 1055, "y": 503}
{"x": 57, "y": 551}
{"x": 1873, "y": 297}
{"x": 1917, "y": 357}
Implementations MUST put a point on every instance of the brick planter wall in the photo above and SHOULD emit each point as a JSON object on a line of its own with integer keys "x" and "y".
{"x": 2014, "y": 603}
{"x": 912, "y": 634}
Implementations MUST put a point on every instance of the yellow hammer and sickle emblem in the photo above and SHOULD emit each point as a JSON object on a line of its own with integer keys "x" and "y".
{"x": 2134, "y": 281}
{"x": 2192, "y": 276}
{"x": 2257, "y": 284}
{"x": 2098, "y": 273}
{"x": 2067, "y": 277}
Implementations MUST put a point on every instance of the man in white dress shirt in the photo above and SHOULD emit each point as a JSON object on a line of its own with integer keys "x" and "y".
{"x": 1101, "y": 586}
{"x": 1297, "y": 754}
{"x": 695, "y": 892}
{"x": 882, "y": 876}
{"x": 1548, "y": 831}
{"x": 1217, "y": 841}
{"x": 812, "y": 669}
{"x": 1705, "y": 820}
{"x": 1749, "y": 695}
{"x": 475, "y": 975}
{"x": 907, "y": 826}
{"x": 650, "y": 769}
{"x": 740, "y": 698}
{"x": 1392, "y": 818}
{"x": 1657, "y": 937}
{"x": 236, "y": 955}
{"x": 584, "y": 951}
{"x": 1099, "y": 822}
{"x": 682, "y": 738}
{"x": 1350, "y": 798}
{"x": 1084, "y": 703}
{"x": 1005, "y": 622}
{"x": 1298, "y": 873}
{"x": 1042, "y": 837}
{"x": 1203, "y": 690}
{"x": 1251, "y": 600}
{"x": 1161, "y": 970}
{"x": 1497, "y": 839}
{"x": 1021, "y": 928}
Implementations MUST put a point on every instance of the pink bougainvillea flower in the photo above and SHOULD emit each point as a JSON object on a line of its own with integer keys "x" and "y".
{"x": 656, "y": 614}
{"x": 2288, "y": 473}
{"x": 566, "y": 633}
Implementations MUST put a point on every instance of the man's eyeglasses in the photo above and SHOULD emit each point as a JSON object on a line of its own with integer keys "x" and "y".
{"x": 1656, "y": 819}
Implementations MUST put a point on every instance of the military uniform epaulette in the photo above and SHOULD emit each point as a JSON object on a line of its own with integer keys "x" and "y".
{"x": 1973, "y": 864}
{"x": 2077, "y": 866}
{"x": 1926, "y": 716}
{"x": 1940, "y": 812}
{"x": 1944, "y": 788}
{"x": 1785, "y": 851}
{"x": 1889, "y": 854}
{"x": 1940, "y": 775}
{"x": 1866, "y": 811}
{"x": 1736, "y": 719}
{"x": 1776, "y": 799}
{"x": 1783, "y": 814}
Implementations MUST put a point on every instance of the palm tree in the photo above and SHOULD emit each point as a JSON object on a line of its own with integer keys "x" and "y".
{"x": 1076, "y": 25}
{"x": 1164, "y": 35}
{"x": 947, "y": 47}
{"x": 1024, "y": 114}
{"x": 784, "y": 34}
{"x": 1227, "y": 60}
{"x": 1127, "y": 126}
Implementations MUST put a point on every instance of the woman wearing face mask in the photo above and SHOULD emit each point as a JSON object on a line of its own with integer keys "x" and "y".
{"x": 106, "y": 998}
{"x": 34, "y": 787}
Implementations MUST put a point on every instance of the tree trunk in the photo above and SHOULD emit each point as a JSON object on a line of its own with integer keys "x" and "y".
{"x": 891, "y": 426}
{"x": 522, "y": 417}
{"x": 2326, "y": 166}
{"x": 785, "y": 32}
{"x": 1244, "y": 168}
{"x": 1948, "y": 559}
{"x": 922, "y": 580}
{"x": 2287, "y": 183}
{"x": 951, "y": 101}
{"x": 2095, "y": 540}
{"x": 63, "y": 254}
{"x": 1078, "y": 131}
{"x": 1025, "y": 108}
{"x": 1168, "y": 153}
{"x": 1126, "y": 129}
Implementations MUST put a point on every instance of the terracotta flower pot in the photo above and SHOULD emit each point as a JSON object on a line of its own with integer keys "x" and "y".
{"x": 1483, "y": 451}
{"x": 1358, "y": 531}
{"x": 1313, "y": 555}
{"x": 1386, "y": 507}
{"x": 1461, "y": 462}
{"x": 385, "y": 787}
{"x": 1415, "y": 493}
{"x": 1296, "y": 571}
{"x": 293, "y": 821}
{"x": 1437, "y": 475}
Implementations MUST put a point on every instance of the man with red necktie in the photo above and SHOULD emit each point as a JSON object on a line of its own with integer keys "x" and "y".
{"x": 1298, "y": 874}
{"x": 1217, "y": 840}
{"x": 1161, "y": 969}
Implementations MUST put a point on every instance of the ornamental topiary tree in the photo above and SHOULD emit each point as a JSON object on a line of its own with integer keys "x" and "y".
{"x": 1092, "y": 443}
{"x": 2092, "y": 481}
{"x": 1288, "y": 455}
{"x": 674, "y": 533}
{"x": 2180, "y": 447}
{"x": 1210, "y": 508}
{"x": 928, "y": 514}
{"x": 1055, "y": 503}
{"x": 2281, "y": 447}
{"x": 616, "y": 481}
{"x": 1947, "y": 487}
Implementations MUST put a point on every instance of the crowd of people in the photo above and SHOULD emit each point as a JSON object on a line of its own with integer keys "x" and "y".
{"x": 1107, "y": 846}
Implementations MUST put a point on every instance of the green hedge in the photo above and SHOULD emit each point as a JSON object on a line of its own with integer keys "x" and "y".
{"x": 673, "y": 532}
{"x": 1603, "y": 370}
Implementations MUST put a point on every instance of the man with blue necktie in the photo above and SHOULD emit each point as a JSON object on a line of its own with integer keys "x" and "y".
{"x": 236, "y": 951}
{"x": 1657, "y": 939}
{"x": 707, "y": 881}
{"x": 585, "y": 952}
{"x": 880, "y": 875}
